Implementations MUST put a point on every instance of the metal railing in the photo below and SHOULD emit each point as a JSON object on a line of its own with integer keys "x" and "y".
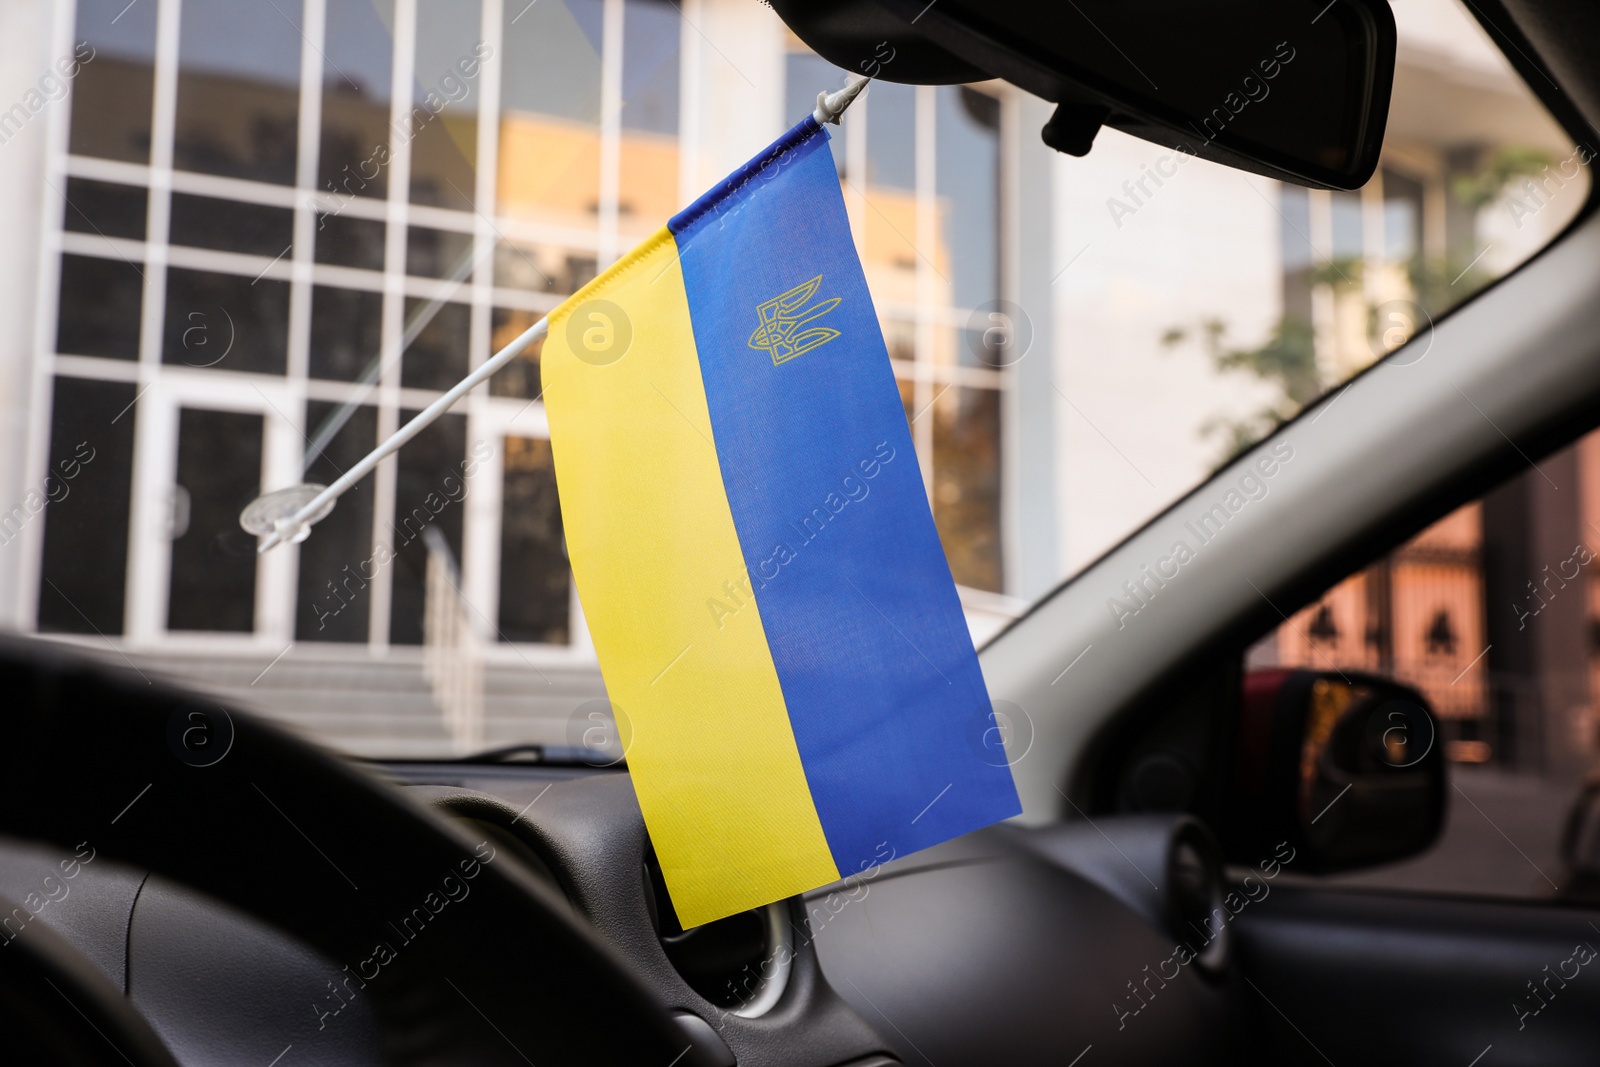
{"x": 452, "y": 659}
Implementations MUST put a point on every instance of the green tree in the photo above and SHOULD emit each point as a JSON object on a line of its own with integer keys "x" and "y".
{"x": 1479, "y": 188}
{"x": 1288, "y": 360}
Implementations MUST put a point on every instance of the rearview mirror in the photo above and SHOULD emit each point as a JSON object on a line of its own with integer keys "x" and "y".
{"x": 1346, "y": 766}
{"x": 1293, "y": 89}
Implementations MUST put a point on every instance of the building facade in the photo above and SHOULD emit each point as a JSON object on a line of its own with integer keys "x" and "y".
{"x": 259, "y": 237}
{"x": 250, "y": 241}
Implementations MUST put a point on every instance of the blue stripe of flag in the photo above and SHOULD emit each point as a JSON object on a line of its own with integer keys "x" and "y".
{"x": 884, "y": 693}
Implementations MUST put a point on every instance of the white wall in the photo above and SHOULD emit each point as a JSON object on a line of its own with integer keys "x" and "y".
{"x": 733, "y": 62}
{"x": 1128, "y": 411}
{"x": 1446, "y": 28}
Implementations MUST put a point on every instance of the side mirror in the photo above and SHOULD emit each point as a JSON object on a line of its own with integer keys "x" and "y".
{"x": 1580, "y": 843}
{"x": 1346, "y": 766}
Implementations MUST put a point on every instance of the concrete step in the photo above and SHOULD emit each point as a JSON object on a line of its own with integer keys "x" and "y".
{"x": 352, "y": 702}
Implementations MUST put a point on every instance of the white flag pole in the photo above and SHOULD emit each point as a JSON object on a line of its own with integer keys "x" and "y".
{"x": 296, "y": 526}
{"x": 287, "y": 515}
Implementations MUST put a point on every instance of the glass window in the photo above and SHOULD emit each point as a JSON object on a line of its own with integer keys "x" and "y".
{"x": 549, "y": 169}
{"x": 106, "y": 208}
{"x": 353, "y": 155}
{"x": 1402, "y": 217}
{"x": 113, "y": 92}
{"x": 968, "y": 183}
{"x": 99, "y": 310}
{"x": 86, "y": 508}
{"x": 966, "y": 483}
{"x": 238, "y": 89}
{"x": 538, "y": 267}
{"x": 229, "y": 226}
{"x": 212, "y": 582}
{"x": 450, "y": 60}
{"x": 226, "y": 321}
{"x": 1235, "y": 301}
{"x": 521, "y": 379}
{"x": 1175, "y": 310}
{"x": 805, "y": 75}
{"x": 437, "y": 358}
{"x": 551, "y": 61}
{"x": 891, "y": 136}
{"x": 887, "y": 187}
{"x": 535, "y": 581}
{"x": 647, "y": 185}
{"x": 1493, "y": 613}
{"x": 334, "y": 585}
{"x": 345, "y": 241}
{"x": 346, "y": 333}
{"x": 429, "y": 489}
{"x": 439, "y": 254}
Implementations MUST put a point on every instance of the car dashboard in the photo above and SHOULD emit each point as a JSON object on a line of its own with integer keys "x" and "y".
{"x": 1008, "y": 945}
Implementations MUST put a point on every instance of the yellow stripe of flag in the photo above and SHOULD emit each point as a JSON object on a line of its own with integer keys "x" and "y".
{"x": 652, "y": 539}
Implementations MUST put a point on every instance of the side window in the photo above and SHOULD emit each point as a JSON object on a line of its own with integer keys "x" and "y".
{"x": 1493, "y": 612}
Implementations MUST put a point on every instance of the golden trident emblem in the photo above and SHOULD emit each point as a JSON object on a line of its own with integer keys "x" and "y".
{"x": 783, "y": 316}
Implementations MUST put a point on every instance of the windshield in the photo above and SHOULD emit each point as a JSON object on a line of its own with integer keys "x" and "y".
{"x": 267, "y": 235}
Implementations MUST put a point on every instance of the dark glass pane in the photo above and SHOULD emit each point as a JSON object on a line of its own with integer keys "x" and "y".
{"x": 535, "y": 579}
{"x": 444, "y": 112}
{"x": 358, "y": 52}
{"x": 229, "y": 226}
{"x": 238, "y": 89}
{"x": 113, "y": 93}
{"x": 337, "y": 565}
{"x": 520, "y": 380}
{"x": 83, "y": 575}
{"x": 535, "y": 268}
{"x": 99, "y": 311}
{"x": 431, "y": 483}
{"x": 437, "y": 359}
{"x": 226, "y": 321}
{"x": 213, "y": 580}
{"x": 343, "y": 241}
{"x": 438, "y": 253}
{"x": 580, "y": 269}
{"x": 966, "y": 483}
{"x": 106, "y": 208}
{"x": 346, "y": 330}
{"x": 967, "y": 181}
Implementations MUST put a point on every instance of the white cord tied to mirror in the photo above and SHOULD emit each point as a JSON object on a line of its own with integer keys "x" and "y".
{"x": 285, "y": 516}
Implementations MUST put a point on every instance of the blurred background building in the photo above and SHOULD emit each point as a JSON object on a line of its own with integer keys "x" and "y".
{"x": 247, "y": 241}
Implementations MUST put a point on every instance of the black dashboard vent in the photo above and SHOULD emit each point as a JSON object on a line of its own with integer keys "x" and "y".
{"x": 740, "y": 963}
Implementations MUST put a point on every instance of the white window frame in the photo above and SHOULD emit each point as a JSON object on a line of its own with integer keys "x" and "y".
{"x": 162, "y": 389}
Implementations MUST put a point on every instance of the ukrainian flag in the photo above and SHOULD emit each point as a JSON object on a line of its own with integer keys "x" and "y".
{"x": 772, "y": 611}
